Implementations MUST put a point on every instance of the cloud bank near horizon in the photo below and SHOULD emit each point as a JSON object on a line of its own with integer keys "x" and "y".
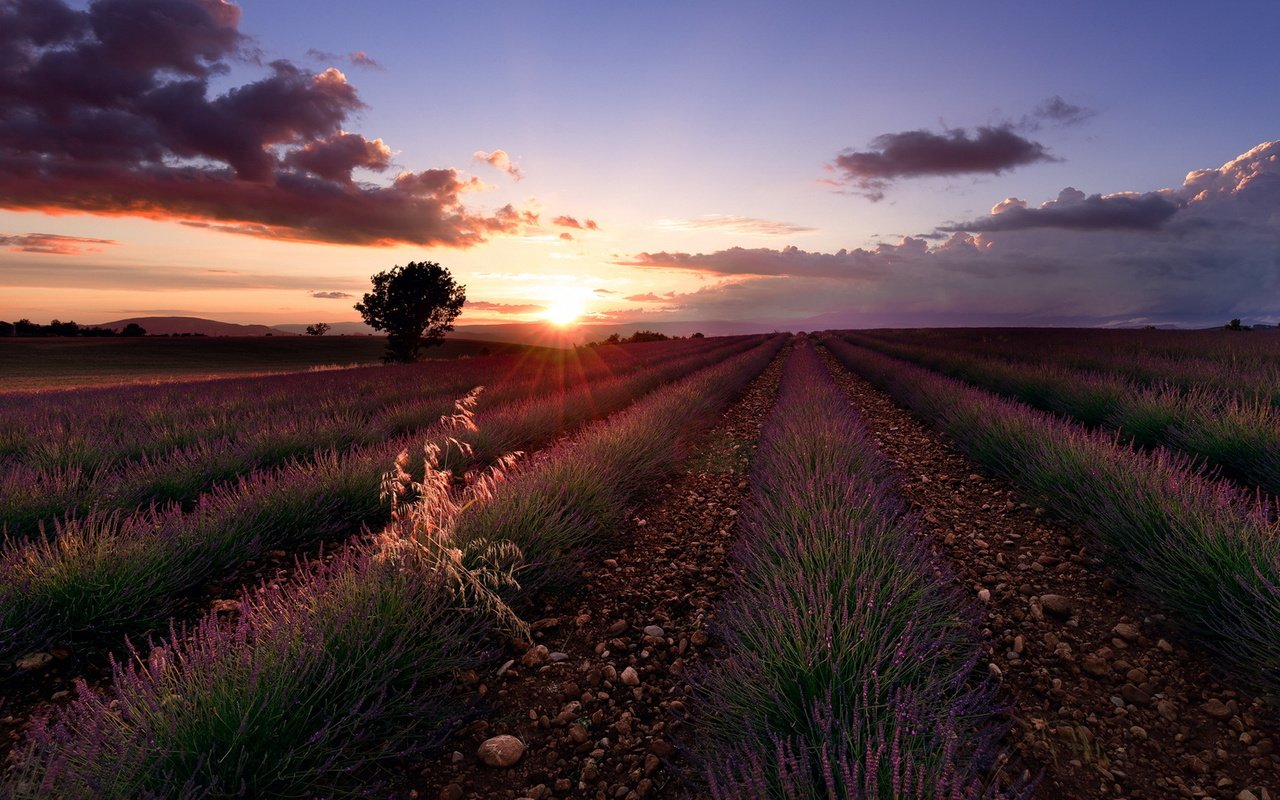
{"x": 1206, "y": 249}
{"x": 109, "y": 111}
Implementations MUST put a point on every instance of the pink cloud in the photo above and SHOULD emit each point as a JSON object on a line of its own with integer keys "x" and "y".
{"x": 499, "y": 160}
{"x": 53, "y": 244}
{"x": 109, "y": 111}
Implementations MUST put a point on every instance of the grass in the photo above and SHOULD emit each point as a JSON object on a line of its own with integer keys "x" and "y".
{"x": 64, "y": 363}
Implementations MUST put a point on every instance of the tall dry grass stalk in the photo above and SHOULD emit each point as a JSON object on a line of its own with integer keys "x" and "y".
{"x": 425, "y": 514}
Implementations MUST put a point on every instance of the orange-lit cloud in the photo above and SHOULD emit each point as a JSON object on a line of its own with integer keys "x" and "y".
{"x": 499, "y": 159}
{"x": 504, "y": 308}
{"x": 749, "y": 225}
{"x": 53, "y": 244}
{"x": 332, "y": 295}
{"x": 109, "y": 111}
{"x": 572, "y": 222}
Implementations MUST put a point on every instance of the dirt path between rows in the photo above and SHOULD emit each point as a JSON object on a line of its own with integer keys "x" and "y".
{"x": 597, "y": 698}
{"x": 1103, "y": 696}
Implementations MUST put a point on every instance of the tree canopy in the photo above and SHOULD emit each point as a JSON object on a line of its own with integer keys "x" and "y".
{"x": 415, "y": 304}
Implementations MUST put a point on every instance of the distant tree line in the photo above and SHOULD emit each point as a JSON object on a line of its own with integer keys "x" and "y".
{"x": 25, "y": 327}
{"x": 638, "y": 336}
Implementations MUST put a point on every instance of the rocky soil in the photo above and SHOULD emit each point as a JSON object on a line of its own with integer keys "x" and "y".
{"x": 591, "y": 707}
{"x": 1104, "y": 698}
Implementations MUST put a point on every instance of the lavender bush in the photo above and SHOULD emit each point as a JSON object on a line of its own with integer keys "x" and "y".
{"x": 70, "y": 470}
{"x": 848, "y": 654}
{"x": 110, "y": 572}
{"x": 1205, "y": 551}
{"x": 316, "y": 682}
{"x": 1239, "y": 434}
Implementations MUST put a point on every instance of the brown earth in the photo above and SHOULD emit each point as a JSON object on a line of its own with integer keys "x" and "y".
{"x": 596, "y": 698}
{"x": 1104, "y": 697}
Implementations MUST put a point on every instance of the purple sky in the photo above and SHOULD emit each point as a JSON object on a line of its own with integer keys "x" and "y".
{"x": 827, "y": 165}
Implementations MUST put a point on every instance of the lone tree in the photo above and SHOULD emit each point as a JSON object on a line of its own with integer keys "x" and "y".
{"x": 319, "y": 329}
{"x": 415, "y": 304}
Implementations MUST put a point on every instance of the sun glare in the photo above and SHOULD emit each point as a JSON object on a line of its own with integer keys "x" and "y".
{"x": 563, "y": 312}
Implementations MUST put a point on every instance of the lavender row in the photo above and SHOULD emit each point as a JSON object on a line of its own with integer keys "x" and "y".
{"x": 848, "y": 655}
{"x": 91, "y": 428}
{"x": 113, "y": 572}
{"x": 1205, "y": 551}
{"x": 1240, "y": 436}
{"x": 1245, "y": 366}
{"x": 32, "y": 495}
{"x": 313, "y": 686}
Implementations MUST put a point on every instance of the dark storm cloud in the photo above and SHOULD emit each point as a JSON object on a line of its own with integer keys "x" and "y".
{"x": 1073, "y": 211}
{"x": 912, "y": 154}
{"x": 108, "y": 111}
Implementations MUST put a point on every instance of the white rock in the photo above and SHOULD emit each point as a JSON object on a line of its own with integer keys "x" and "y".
{"x": 500, "y": 751}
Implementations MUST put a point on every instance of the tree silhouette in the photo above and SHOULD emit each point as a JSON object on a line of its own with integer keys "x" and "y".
{"x": 319, "y": 329}
{"x": 415, "y": 304}
{"x": 133, "y": 329}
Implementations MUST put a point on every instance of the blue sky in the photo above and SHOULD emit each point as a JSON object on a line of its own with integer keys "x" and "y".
{"x": 681, "y": 130}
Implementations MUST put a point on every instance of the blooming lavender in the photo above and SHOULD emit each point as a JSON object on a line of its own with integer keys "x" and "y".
{"x": 1204, "y": 550}
{"x": 110, "y": 572}
{"x": 847, "y": 654}
{"x": 315, "y": 683}
{"x": 63, "y": 456}
{"x": 1238, "y": 432}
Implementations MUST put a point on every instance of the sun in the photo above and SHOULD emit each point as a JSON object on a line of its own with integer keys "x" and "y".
{"x": 563, "y": 312}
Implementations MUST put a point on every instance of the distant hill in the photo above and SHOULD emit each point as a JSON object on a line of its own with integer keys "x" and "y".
{"x": 536, "y": 333}
{"x": 161, "y": 326}
{"x": 335, "y": 328}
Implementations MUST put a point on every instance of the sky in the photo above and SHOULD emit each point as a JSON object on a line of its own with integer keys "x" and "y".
{"x": 801, "y": 165}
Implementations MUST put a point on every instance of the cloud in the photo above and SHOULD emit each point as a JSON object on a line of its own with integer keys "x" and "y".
{"x": 604, "y": 292}
{"x": 334, "y": 157}
{"x": 572, "y": 222}
{"x": 84, "y": 274}
{"x": 1057, "y": 111}
{"x": 499, "y": 159}
{"x": 650, "y": 297}
{"x": 52, "y": 243}
{"x": 357, "y": 58}
{"x": 110, "y": 111}
{"x": 332, "y": 295}
{"x": 912, "y": 154}
{"x": 1195, "y": 254}
{"x": 789, "y": 261}
{"x": 504, "y": 308}
{"x": 1074, "y": 211}
{"x": 749, "y": 225}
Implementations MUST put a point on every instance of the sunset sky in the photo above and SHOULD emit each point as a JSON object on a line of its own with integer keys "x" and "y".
{"x": 810, "y": 165}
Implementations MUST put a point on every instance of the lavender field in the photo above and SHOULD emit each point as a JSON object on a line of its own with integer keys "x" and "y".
{"x": 853, "y": 564}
